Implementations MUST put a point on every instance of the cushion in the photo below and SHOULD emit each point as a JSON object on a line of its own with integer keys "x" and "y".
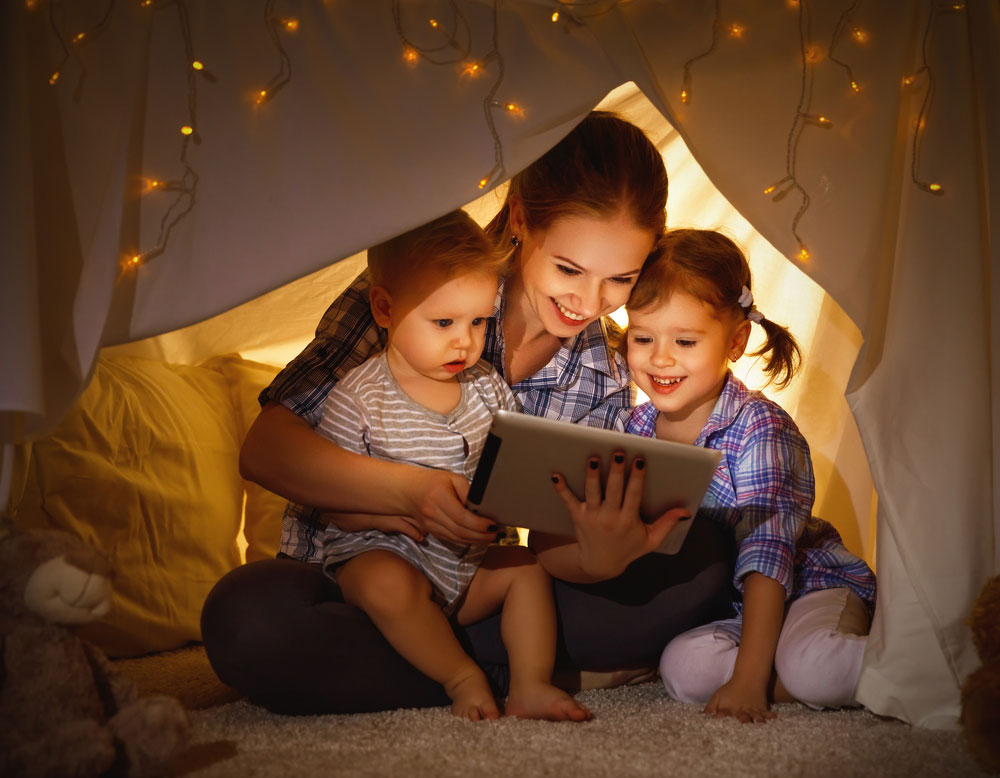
{"x": 263, "y": 509}
{"x": 145, "y": 466}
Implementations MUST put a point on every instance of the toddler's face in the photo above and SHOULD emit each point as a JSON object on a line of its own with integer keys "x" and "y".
{"x": 438, "y": 327}
{"x": 678, "y": 354}
{"x": 580, "y": 268}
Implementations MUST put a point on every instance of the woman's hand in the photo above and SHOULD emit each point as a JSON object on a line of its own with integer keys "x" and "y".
{"x": 437, "y": 502}
{"x": 610, "y": 534}
{"x": 359, "y": 522}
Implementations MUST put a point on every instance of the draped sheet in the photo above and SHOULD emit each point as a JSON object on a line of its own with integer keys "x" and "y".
{"x": 359, "y": 144}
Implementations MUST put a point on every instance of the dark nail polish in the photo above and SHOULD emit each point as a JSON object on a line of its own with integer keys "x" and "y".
{"x": 619, "y": 458}
{"x": 500, "y": 536}
{"x": 555, "y": 479}
{"x": 685, "y": 518}
{"x": 492, "y": 528}
{"x": 592, "y": 464}
{"x": 640, "y": 463}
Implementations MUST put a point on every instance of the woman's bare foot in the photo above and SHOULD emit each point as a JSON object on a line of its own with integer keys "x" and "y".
{"x": 544, "y": 701}
{"x": 471, "y": 697}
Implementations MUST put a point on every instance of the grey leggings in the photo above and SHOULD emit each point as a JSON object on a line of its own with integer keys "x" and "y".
{"x": 279, "y": 632}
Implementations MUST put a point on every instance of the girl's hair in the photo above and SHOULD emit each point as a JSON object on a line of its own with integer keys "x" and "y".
{"x": 605, "y": 166}
{"x": 710, "y": 267}
{"x": 452, "y": 244}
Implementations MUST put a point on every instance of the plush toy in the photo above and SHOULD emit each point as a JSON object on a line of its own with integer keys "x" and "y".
{"x": 64, "y": 710}
{"x": 981, "y": 690}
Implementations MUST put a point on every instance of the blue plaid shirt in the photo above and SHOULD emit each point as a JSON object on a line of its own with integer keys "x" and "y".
{"x": 586, "y": 382}
{"x": 763, "y": 492}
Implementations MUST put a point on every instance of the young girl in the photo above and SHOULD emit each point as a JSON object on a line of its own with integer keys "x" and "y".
{"x": 804, "y": 601}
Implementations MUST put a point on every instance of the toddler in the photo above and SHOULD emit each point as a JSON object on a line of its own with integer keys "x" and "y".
{"x": 803, "y": 601}
{"x": 428, "y": 399}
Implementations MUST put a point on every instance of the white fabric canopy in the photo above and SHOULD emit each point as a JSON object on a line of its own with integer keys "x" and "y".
{"x": 358, "y": 144}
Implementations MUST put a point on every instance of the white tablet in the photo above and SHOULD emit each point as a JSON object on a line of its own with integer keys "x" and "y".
{"x": 513, "y": 482}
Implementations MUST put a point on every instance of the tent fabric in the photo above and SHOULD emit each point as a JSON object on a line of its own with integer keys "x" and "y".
{"x": 360, "y": 143}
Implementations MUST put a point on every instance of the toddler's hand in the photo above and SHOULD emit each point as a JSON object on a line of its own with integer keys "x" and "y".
{"x": 741, "y": 701}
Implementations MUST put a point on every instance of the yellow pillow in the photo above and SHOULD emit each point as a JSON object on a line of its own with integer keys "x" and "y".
{"x": 145, "y": 466}
{"x": 263, "y": 510}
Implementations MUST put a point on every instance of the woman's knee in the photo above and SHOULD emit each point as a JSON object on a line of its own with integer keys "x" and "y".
{"x": 694, "y": 665}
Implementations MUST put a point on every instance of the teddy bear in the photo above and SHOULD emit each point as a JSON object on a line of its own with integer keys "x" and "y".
{"x": 64, "y": 709}
{"x": 980, "y": 718}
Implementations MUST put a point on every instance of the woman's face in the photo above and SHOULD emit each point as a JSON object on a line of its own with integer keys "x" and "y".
{"x": 579, "y": 268}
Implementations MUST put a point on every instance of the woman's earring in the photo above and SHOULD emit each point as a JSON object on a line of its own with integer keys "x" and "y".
{"x": 514, "y": 241}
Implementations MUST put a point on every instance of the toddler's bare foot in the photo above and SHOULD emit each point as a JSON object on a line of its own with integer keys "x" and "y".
{"x": 544, "y": 701}
{"x": 471, "y": 697}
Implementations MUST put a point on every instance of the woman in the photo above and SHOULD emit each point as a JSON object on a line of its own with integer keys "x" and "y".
{"x": 581, "y": 221}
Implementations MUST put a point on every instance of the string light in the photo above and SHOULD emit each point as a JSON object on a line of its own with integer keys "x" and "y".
{"x": 555, "y": 16}
{"x": 72, "y": 52}
{"x": 931, "y": 187}
{"x": 473, "y": 69}
{"x": 290, "y": 24}
{"x": 411, "y": 56}
{"x": 736, "y": 30}
{"x": 686, "y": 82}
{"x": 273, "y": 23}
{"x": 843, "y": 23}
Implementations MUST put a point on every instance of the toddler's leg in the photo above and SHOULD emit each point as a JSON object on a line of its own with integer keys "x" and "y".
{"x": 397, "y": 598}
{"x": 696, "y": 663}
{"x": 511, "y": 576}
{"x": 818, "y": 659}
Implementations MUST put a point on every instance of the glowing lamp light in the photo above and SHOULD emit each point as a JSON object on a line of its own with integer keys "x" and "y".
{"x": 855, "y": 86}
{"x": 483, "y": 182}
{"x": 198, "y": 65}
{"x": 803, "y": 254}
{"x": 291, "y": 24}
{"x": 434, "y": 23}
{"x": 684, "y": 95}
{"x": 410, "y": 56}
{"x": 909, "y": 80}
{"x": 79, "y": 37}
{"x": 187, "y": 129}
{"x": 859, "y": 35}
{"x": 514, "y": 109}
{"x": 262, "y": 97}
{"x": 555, "y": 16}
{"x": 54, "y": 77}
{"x": 153, "y": 184}
{"x": 473, "y": 69}
{"x": 736, "y": 30}
{"x": 770, "y": 189}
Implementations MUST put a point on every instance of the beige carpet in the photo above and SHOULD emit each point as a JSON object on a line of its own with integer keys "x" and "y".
{"x": 636, "y": 731}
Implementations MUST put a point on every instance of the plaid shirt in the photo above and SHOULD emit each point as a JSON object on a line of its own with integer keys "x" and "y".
{"x": 763, "y": 492}
{"x": 586, "y": 382}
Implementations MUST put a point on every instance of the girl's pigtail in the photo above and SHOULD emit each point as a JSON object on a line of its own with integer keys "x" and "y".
{"x": 783, "y": 357}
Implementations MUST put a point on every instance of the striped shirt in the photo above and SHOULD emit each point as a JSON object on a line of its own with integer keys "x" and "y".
{"x": 586, "y": 381}
{"x": 763, "y": 493}
{"x": 368, "y": 413}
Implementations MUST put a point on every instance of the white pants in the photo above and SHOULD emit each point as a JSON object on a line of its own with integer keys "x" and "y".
{"x": 818, "y": 657}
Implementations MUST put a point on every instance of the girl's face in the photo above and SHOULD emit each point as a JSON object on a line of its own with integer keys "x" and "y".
{"x": 579, "y": 268}
{"x": 678, "y": 354}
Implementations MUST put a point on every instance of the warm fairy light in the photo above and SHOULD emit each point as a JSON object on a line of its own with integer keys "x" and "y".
{"x": 473, "y": 69}
{"x": 410, "y": 55}
{"x": 855, "y": 86}
{"x": 958, "y": 6}
{"x": 803, "y": 254}
{"x": 932, "y": 188}
{"x": 684, "y": 95}
{"x": 483, "y": 182}
{"x": 146, "y": 3}
{"x": 291, "y": 24}
{"x": 555, "y": 16}
{"x": 187, "y": 129}
{"x": 910, "y": 80}
{"x": 770, "y": 189}
{"x": 54, "y": 77}
{"x": 79, "y": 37}
{"x": 736, "y": 30}
{"x": 434, "y": 23}
{"x": 817, "y": 119}
{"x": 198, "y": 65}
{"x": 859, "y": 35}
{"x": 813, "y": 53}
{"x": 153, "y": 184}
{"x": 261, "y": 97}
{"x": 514, "y": 109}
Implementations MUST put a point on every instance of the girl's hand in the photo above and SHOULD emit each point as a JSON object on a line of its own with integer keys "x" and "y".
{"x": 610, "y": 534}
{"x": 358, "y": 522}
{"x": 437, "y": 503}
{"x": 743, "y": 701}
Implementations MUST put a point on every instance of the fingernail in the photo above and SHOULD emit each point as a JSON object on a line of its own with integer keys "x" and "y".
{"x": 492, "y": 528}
{"x": 684, "y": 518}
{"x": 640, "y": 463}
{"x": 555, "y": 479}
{"x": 592, "y": 464}
{"x": 619, "y": 458}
